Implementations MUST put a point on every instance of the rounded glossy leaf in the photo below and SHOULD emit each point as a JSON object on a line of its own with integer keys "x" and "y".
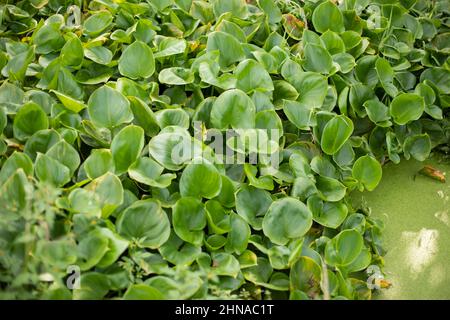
{"x": 91, "y": 249}
{"x": 237, "y": 238}
{"x": 172, "y": 148}
{"x": 286, "y": 219}
{"x": 178, "y": 252}
{"x": 108, "y": 192}
{"x": 330, "y": 189}
{"x": 126, "y": 147}
{"x": 407, "y": 107}
{"x": 233, "y": 108}
{"x": 116, "y": 246}
{"x": 252, "y": 76}
{"x": 93, "y": 286}
{"x": 367, "y": 170}
{"x": 142, "y": 292}
{"x": 328, "y": 214}
{"x": 305, "y": 275}
{"x": 17, "y": 160}
{"x": 72, "y": 52}
{"x": 29, "y": 119}
{"x": 230, "y": 50}
{"x": 252, "y": 204}
{"x": 149, "y": 172}
{"x": 98, "y": 163}
{"x": 327, "y": 16}
{"x": 225, "y": 264}
{"x": 97, "y": 23}
{"x": 210, "y": 185}
{"x": 238, "y": 8}
{"x": 52, "y": 171}
{"x": 317, "y": 59}
{"x": 144, "y": 116}
{"x": 335, "y": 134}
{"x": 344, "y": 248}
{"x": 66, "y": 154}
{"x": 146, "y": 223}
{"x": 137, "y": 61}
{"x": 108, "y": 108}
{"x": 418, "y": 146}
{"x": 176, "y": 76}
{"x": 189, "y": 220}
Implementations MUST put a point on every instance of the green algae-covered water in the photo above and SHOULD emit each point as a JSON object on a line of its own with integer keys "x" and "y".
{"x": 416, "y": 213}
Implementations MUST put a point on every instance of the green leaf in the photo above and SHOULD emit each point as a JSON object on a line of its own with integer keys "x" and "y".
{"x": 237, "y": 238}
{"x": 271, "y": 10}
{"x": 142, "y": 292}
{"x": 286, "y": 219}
{"x": 169, "y": 46}
{"x": 91, "y": 249}
{"x": 144, "y": 116}
{"x": 15, "y": 192}
{"x": 367, "y": 170}
{"x": 99, "y": 54}
{"x": 377, "y": 112}
{"x": 70, "y": 103}
{"x": 230, "y": 50}
{"x": 178, "y": 252}
{"x": 97, "y": 23}
{"x": 93, "y": 286}
{"x": 440, "y": 77}
{"x": 176, "y": 76}
{"x": 146, "y": 223}
{"x": 66, "y": 154}
{"x": 108, "y": 108}
{"x": 98, "y": 163}
{"x": 418, "y": 146}
{"x": 137, "y": 61}
{"x": 58, "y": 253}
{"x": 335, "y": 134}
{"x": 116, "y": 246}
{"x": 238, "y": 8}
{"x": 252, "y": 76}
{"x": 330, "y": 189}
{"x": 301, "y": 115}
{"x": 225, "y": 264}
{"x": 17, "y": 160}
{"x": 204, "y": 172}
{"x": 233, "y": 108}
{"x": 172, "y": 117}
{"x": 189, "y": 220}
{"x": 344, "y": 248}
{"x": 172, "y": 148}
{"x": 149, "y": 172}
{"x": 386, "y": 76}
{"x": 328, "y": 214}
{"x": 407, "y": 107}
{"x": 72, "y": 52}
{"x": 327, "y": 16}
{"x": 305, "y": 275}
{"x": 29, "y": 119}
{"x": 126, "y": 147}
{"x": 51, "y": 171}
{"x": 317, "y": 59}
{"x": 252, "y": 204}
{"x": 108, "y": 192}
{"x": 312, "y": 88}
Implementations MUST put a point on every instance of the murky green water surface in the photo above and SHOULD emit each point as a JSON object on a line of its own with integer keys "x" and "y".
{"x": 416, "y": 213}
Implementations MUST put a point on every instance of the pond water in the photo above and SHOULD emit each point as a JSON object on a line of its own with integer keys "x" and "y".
{"x": 416, "y": 213}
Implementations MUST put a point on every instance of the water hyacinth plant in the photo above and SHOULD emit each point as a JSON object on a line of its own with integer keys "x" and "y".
{"x": 195, "y": 149}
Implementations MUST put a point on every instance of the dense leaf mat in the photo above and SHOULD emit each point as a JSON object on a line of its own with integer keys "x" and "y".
{"x": 112, "y": 187}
